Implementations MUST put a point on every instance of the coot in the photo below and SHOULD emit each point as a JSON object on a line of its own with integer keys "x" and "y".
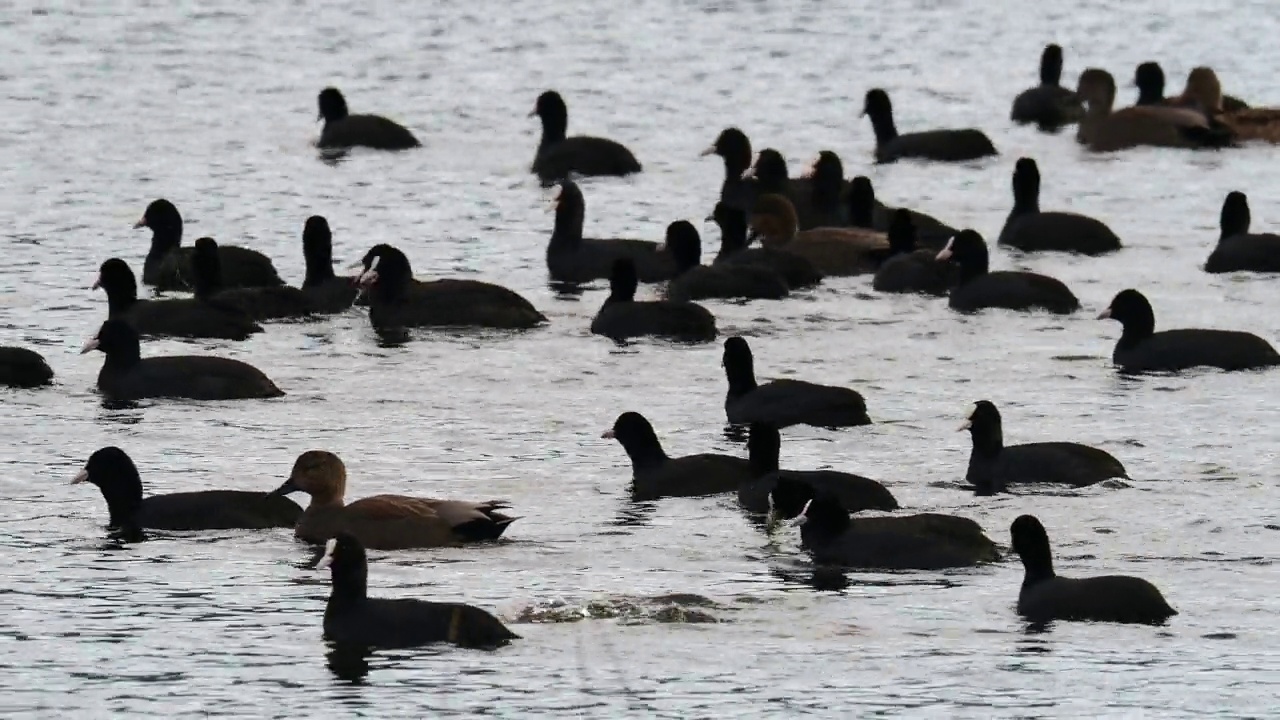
{"x": 168, "y": 265}
{"x": 126, "y": 376}
{"x": 1014, "y": 290}
{"x": 622, "y": 316}
{"x": 584, "y": 155}
{"x": 573, "y": 258}
{"x": 342, "y": 129}
{"x": 353, "y": 619}
{"x": 1048, "y": 105}
{"x": 941, "y": 145}
{"x": 326, "y": 292}
{"x": 1045, "y": 596}
{"x": 1238, "y": 249}
{"x": 1030, "y": 230}
{"x": 1142, "y": 349}
{"x": 994, "y": 466}
{"x": 695, "y": 281}
{"x": 655, "y": 475}
{"x": 909, "y": 270}
{"x": 734, "y": 149}
{"x": 113, "y": 472}
{"x": 783, "y": 403}
{"x": 853, "y": 491}
{"x": 172, "y": 317}
{"x": 260, "y": 303}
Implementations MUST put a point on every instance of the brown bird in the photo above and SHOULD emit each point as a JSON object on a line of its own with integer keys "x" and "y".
{"x": 384, "y": 522}
{"x": 1204, "y": 92}
{"x": 833, "y": 251}
{"x": 1103, "y": 130}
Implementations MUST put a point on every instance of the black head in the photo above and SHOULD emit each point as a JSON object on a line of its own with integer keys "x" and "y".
{"x": 115, "y": 277}
{"x": 902, "y": 232}
{"x": 1235, "y": 217}
{"x": 348, "y": 567}
{"x": 317, "y": 250}
{"x": 1031, "y": 543}
{"x": 823, "y": 517}
{"x": 637, "y": 437}
{"x": 117, "y": 340}
{"x": 764, "y": 445}
{"x": 876, "y": 104}
{"x": 570, "y": 209}
{"x": 386, "y": 270}
{"x": 113, "y": 472}
{"x": 553, "y": 113}
{"x": 206, "y": 266}
{"x": 623, "y": 281}
{"x": 732, "y": 145}
{"x": 984, "y": 426}
{"x": 1051, "y": 65}
{"x": 770, "y": 171}
{"x": 333, "y": 106}
{"x": 685, "y": 244}
{"x": 828, "y": 174}
{"x": 162, "y": 217}
{"x": 1149, "y": 77}
{"x": 1026, "y": 183}
{"x": 739, "y": 365}
{"x": 862, "y": 202}
{"x": 788, "y": 497}
{"x": 968, "y": 250}
{"x": 1133, "y": 311}
{"x": 732, "y": 222}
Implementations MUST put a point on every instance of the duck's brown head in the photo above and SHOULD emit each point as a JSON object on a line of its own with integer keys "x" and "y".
{"x": 318, "y": 473}
{"x": 1097, "y": 88}
{"x": 1204, "y": 89}
{"x": 773, "y": 219}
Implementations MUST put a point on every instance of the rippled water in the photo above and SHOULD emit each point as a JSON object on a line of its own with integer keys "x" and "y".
{"x": 212, "y": 105}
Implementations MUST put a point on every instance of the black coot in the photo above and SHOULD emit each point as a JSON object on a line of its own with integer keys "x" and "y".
{"x": 655, "y": 475}
{"x": 1030, "y": 230}
{"x": 397, "y": 302}
{"x": 1048, "y": 104}
{"x": 695, "y": 281}
{"x": 1238, "y": 249}
{"x": 1045, "y": 596}
{"x": 783, "y": 403}
{"x": 1149, "y": 78}
{"x": 827, "y": 188}
{"x": 23, "y": 368}
{"x": 260, "y": 303}
{"x": 994, "y": 466}
{"x": 927, "y": 541}
{"x": 126, "y": 376}
{"x": 343, "y": 130}
{"x": 795, "y": 270}
{"x": 733, "y": 147}
{"x": 353, "y": 619}
{"x": 173, "y": 317}
{"x": 865, "y": 211}
{"x": 1142, "y": 349}
{"x": 941, "y": 145}
{"x": 573, "y": 258}
{"x": 168, "y": 264}
{"x": 909, "y": 270}
{"x": 622, "y": 316}
{"x": 113, "y": 472}
{"x": 764, "y": 446}
{"x": 558, "y": 156}
{"x": 1014, "y": 290}
{"x": 326, "y": 292}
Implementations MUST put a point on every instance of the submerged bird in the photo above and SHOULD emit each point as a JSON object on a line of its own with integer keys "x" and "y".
{"x": 353, "y": 619}
{"x": 23, "y": 368}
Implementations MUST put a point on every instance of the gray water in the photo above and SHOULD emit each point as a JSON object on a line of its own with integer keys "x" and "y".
{"x": 212, "y": 105}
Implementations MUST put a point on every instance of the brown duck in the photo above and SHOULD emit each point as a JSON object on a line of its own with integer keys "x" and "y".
{"x": 384, "y": 522}
{"x": 1103, "y": 130}
{"x": 1204, "y": 92}
{"x": 833, "y": 251}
